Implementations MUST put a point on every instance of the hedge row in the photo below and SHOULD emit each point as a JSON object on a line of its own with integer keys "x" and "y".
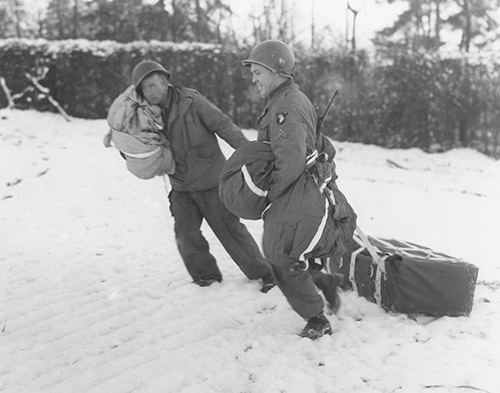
{"x": 421, "y": 101}
{"x": 85, "y": 76}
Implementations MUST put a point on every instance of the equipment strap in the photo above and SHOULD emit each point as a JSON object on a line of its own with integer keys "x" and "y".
{"x": 143, "y": 155}
{"x": 379, "y": 261}
{"x": 251, "y": 185}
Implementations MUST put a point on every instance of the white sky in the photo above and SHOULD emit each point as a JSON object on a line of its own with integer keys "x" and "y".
{"x": 327, "y": 13}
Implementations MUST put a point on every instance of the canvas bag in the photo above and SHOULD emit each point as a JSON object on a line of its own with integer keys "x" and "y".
{"x": 245, "y": 180}
{"x": 135, "y": 130}
{"x": 301, "y": 221}
{"x": 143, "y": 160}
{"x": 408, "y": 278}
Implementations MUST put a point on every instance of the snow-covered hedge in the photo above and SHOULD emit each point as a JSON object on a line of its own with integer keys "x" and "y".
{"x": 85, "y": 76}
{"x": 421, "y": 100}
{"x": 432, "y": 102}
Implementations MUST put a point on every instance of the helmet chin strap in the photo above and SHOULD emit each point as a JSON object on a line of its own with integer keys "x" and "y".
{"x": 283, "y": 76}
{"x": 287, "y": 76}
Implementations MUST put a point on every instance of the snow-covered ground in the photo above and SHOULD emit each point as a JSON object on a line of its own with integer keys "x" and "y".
{"x": 94, "y": 296}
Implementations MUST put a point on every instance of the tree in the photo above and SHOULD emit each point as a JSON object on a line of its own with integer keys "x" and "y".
{"x": 421, "y": 25}
{"x": 113, "y": 20}
{"x": 122, "y": 20}
{"x": 63, "y": 19}
{"x": 476, "y": 21}
{"x": 418, "y": 27}
{"x": 200, "y": 21}
{"x": 5, "y": 19}
{"x": 155, "y": 21}
{"x": 275, "y": 22}
{"x": 207, "y": 20}
{"x": 12, "y": 15}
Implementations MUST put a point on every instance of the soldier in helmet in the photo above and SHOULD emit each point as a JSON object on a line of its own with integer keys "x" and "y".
{"x": 288, "y": 122}
{"x": 191, "y": 124}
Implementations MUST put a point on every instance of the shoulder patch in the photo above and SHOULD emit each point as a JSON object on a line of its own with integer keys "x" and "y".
{"x": 281, "y": 117}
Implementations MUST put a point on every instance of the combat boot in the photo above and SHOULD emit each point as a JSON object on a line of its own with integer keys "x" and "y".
{"x": 268, "y": 283}
{"x": 316, "y": 327}
{"x": 206, "y": 282}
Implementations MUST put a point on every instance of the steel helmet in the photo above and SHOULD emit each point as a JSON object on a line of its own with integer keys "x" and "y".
{"x": 145, "y": 68}
{"x": 274, "y": 55}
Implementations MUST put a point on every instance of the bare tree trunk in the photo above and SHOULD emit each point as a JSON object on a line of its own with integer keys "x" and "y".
{"x": 267, "y": 21}
{"x": 428, "y": 27}
{"x": 16, "y": 17}
{"x": 198, "y": 20}
{"x": 218, "y": 32}
{"x": 313, "y": 27}
{"x": 74, "y": 33}
{"x": 437, "y": 22}
{"x": 347, "y": 24}
{"x": 173, "y": 29}
{"x": 60, "y": 26}
{"x": 466, "y": 34}
{"x": 40, "y": 23}
{"x": 354, "y": 17}
{"x": 284, "y": 20}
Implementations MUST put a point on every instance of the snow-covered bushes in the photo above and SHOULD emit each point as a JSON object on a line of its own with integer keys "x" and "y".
{"x": 420, "y": 100}
{"x": 85, "y": 76}
{"x": 432, "y": 102}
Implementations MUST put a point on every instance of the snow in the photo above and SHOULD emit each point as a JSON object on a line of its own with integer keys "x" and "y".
{"x": 94, "y": 296}
{"x": 104, "y": 48}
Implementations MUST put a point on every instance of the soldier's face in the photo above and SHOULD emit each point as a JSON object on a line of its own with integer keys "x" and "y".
{"x": 154, "y": 89}
{"x": 264, "y": 79}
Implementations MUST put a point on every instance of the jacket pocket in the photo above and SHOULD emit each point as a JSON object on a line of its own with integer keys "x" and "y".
{"x": 196, "y": 133}
{"x": 200, "y": 140}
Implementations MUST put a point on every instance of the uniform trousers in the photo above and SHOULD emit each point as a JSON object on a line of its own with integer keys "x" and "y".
{"x": 298, "y": 286}
{"x": 189, "y": 209}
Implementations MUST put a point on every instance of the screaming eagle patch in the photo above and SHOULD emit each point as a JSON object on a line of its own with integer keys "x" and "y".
{"x": 281, "y": 117}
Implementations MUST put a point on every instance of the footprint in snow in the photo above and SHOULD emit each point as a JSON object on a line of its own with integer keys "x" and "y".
{"x": 14, "y": 182}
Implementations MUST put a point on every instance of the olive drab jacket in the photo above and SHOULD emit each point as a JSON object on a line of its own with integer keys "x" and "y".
{"x": 288, "y": 122}
{"x": 269, "y": 179}
{"x": 191, "y": 125}
{"x": 299, "y": 222}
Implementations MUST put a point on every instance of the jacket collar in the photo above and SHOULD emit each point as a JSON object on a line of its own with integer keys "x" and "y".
{"x": 177, "y": 103}
{"x": 280, "y": 88}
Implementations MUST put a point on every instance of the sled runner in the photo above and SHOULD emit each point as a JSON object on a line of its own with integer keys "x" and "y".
{"x": 408, "y": 278}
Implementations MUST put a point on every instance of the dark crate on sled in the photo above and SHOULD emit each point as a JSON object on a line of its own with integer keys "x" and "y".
{"x": 417, "y": 279}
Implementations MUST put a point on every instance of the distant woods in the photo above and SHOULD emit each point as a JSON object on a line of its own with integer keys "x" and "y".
{"x": 209, "y": 21}
{"x": 422, "y": 25}
{"x": 428, "y": 24}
